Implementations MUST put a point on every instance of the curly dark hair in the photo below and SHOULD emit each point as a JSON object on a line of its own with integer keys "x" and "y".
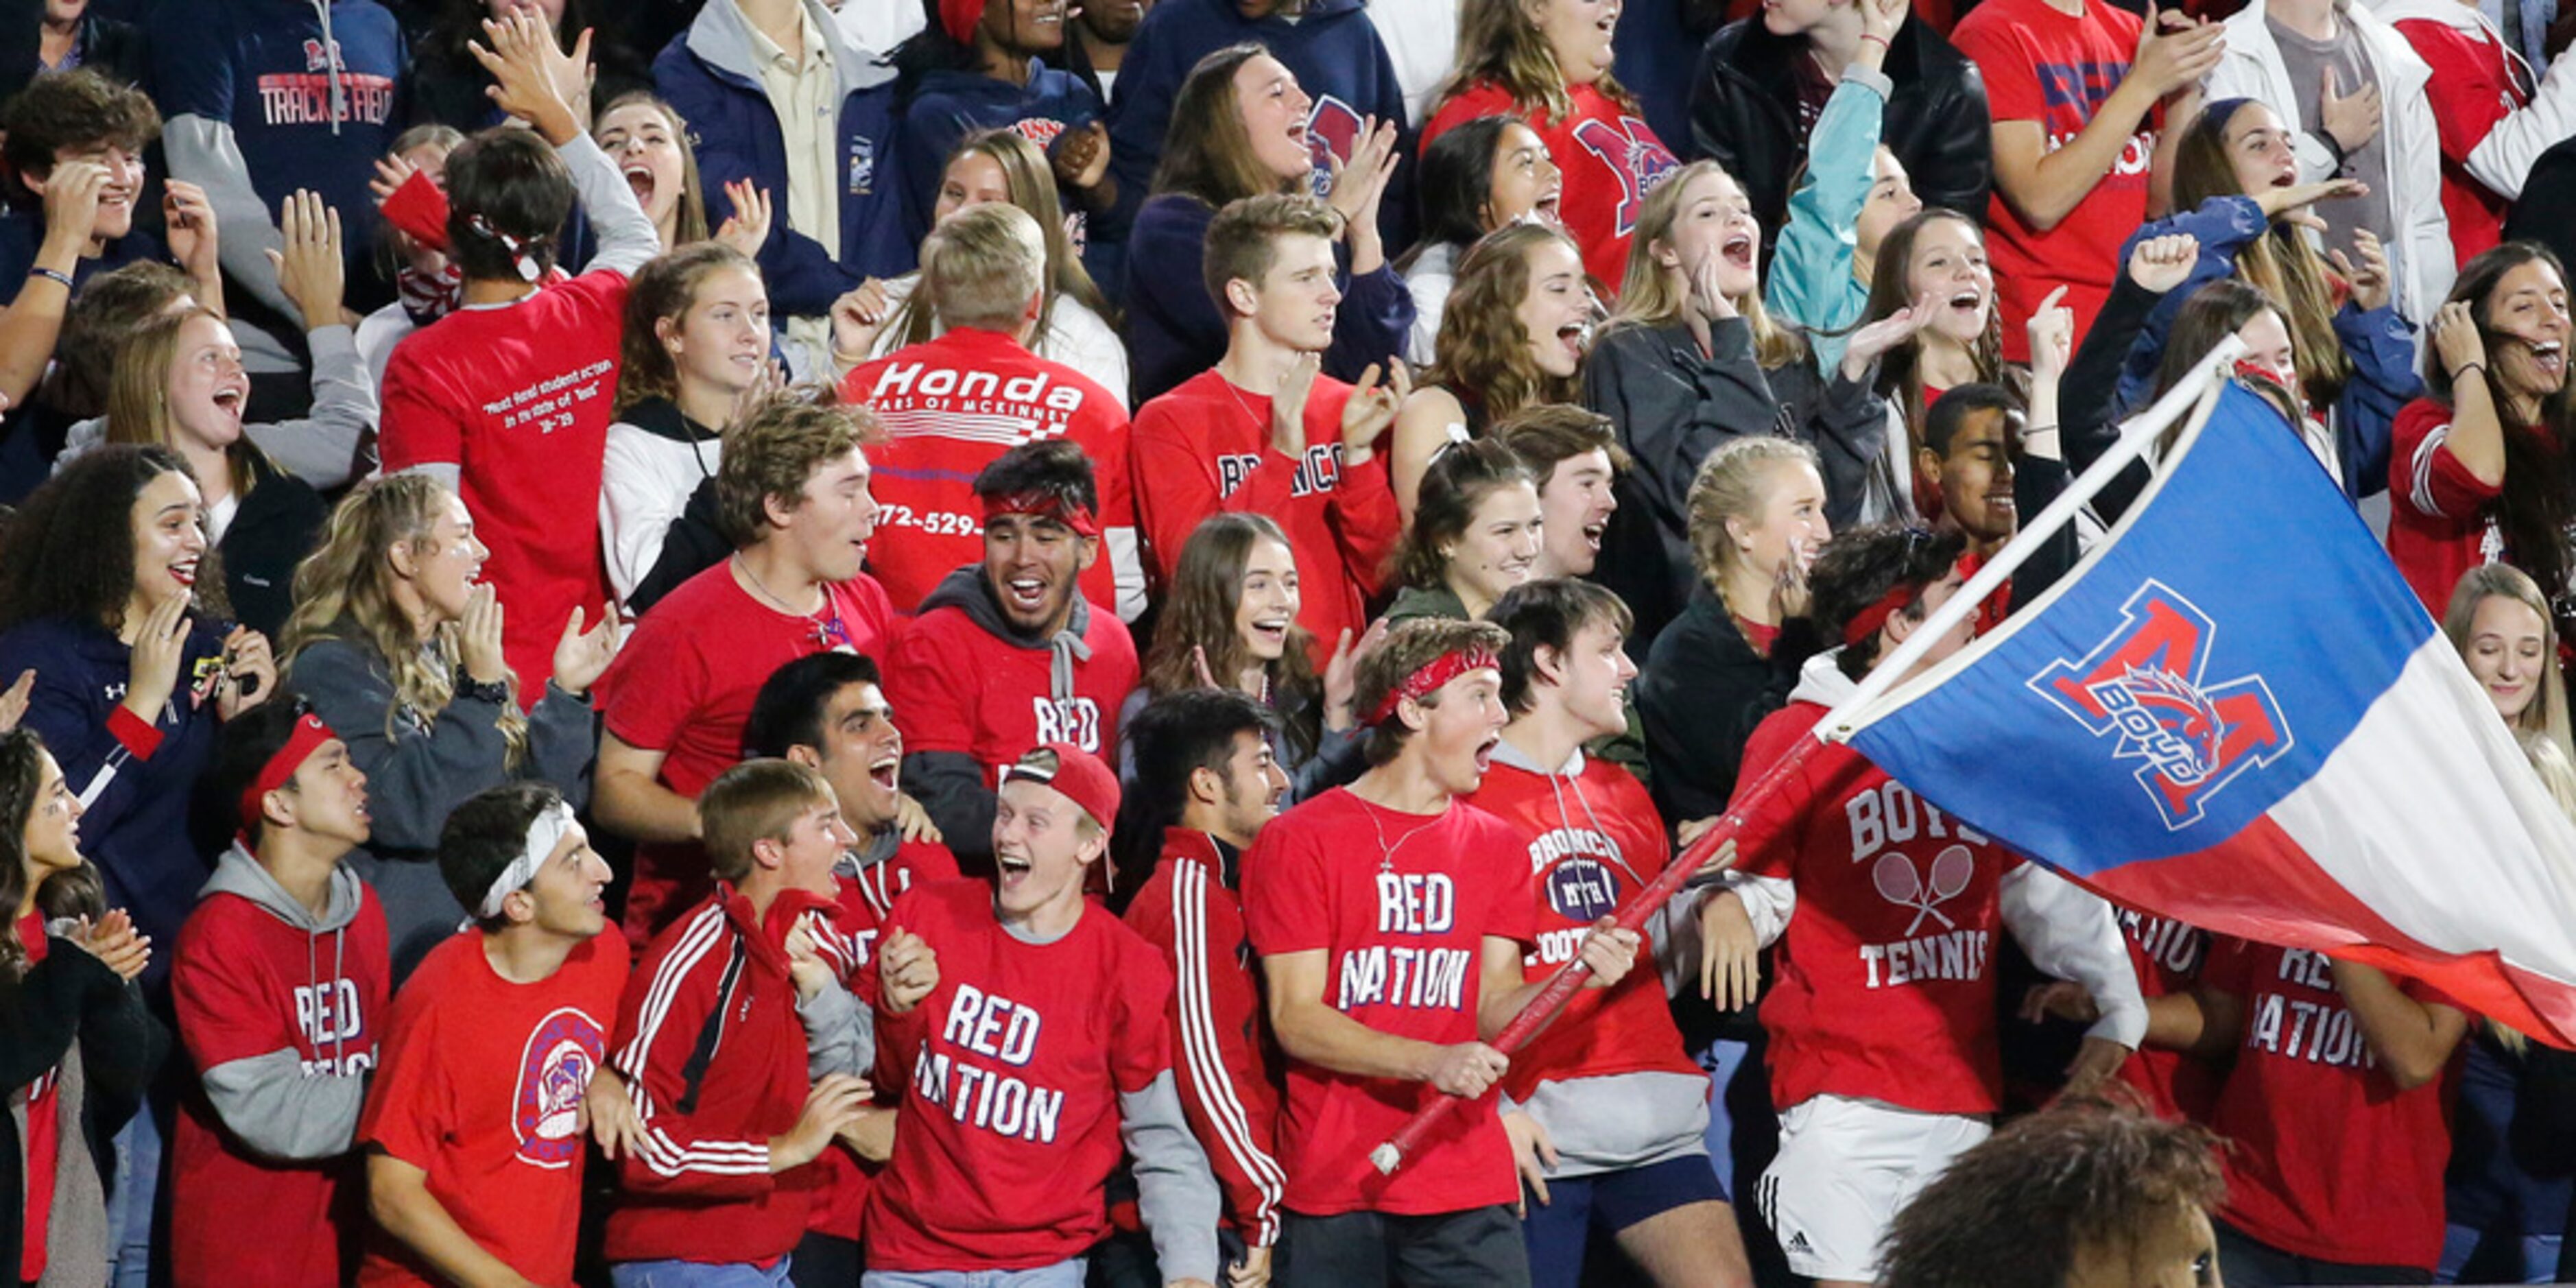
{"x": 1857, "y": 567}
{"x": 2013, "y": 1211}
{"x": 69, "y": 551}
{"x": 73, "y": 109}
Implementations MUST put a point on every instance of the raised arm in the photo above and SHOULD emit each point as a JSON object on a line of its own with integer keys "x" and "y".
{"x": 2044, "y": 185}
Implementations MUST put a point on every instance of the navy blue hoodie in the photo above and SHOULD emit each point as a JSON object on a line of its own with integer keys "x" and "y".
{"x": 261, "y": 75}
{"x": 1174, "y": 330}
{"x": 711, "y": 77}
{"x": 135, "y": 787}
{"x": 1332, "y": 48}
{"x": 948, "y": 105}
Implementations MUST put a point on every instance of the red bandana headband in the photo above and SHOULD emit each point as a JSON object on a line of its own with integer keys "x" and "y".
{"x": 1430, "y": 678}
{"x": 1043, "y": 505}
{"x": 310, "y": 733}
{"x": 1866, "y": 622}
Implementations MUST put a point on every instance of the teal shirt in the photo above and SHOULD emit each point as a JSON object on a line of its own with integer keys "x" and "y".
{"x": 1812, "y": 286}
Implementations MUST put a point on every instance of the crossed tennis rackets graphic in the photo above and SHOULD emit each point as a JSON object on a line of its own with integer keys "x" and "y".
{"x": 1898, "y": 883}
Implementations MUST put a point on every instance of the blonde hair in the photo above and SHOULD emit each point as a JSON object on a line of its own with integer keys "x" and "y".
{"x": 1732, "y": 483}
{"x": 344, "y": 592}
{"x": 1649, "y": 295}
{"x": 982, "y": 266}
{"x": 755, "y": 801}
{"x": 1498, "y": 43}
{"x": 1031, "y": 182}
{"x": 2546, "y": 716}
{"x": 138, "y": 391}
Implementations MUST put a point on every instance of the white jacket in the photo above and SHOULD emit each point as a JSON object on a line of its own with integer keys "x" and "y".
{"x": 2503, "y": 159}
{"x": 2420, "y": 260}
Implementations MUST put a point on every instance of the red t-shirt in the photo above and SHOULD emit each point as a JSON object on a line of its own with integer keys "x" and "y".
{"x": 1885, "y": 985}
{"x": 518, "y": 398}
{"x": 1609, "y": 155}
{"x": 2332, "y": 1160}
{"x": 246, "y": 984}
{"x": 683, "y": 686}
{"x": 956, "y": 686}
{"x": 2476, "y": 84}
{"x": 2168, "y": 956}
{"x": 481, "y": 1087}
{"x": 2441, "y": 518}
{"x": 1400, "y": 905}
{"x": 1593, "y": 840}
{"x": 1205, "y": 447}
{"x": 2043, "y": 65}
{"x": 867, "y": 899}
{"x": 44, "y": 1133}
{"x": 1010, "y": 1072}
{"x": 950, "y": 406}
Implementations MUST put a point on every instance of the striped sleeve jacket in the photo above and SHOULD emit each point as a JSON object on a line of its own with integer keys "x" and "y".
{"x": 1223, "y": 1056}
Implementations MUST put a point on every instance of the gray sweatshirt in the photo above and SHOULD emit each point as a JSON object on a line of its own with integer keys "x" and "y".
{"x": 422, "y": 765}
{"x": 272, "y": 1102}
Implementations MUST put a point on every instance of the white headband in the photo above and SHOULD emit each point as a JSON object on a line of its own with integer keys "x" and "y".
{"x": 543, "y": 835}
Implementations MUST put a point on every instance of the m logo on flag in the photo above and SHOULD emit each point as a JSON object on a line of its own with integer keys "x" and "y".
{"x": 2146, "y": 682}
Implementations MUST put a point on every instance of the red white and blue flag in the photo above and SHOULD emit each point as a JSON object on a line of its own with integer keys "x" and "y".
{"x": 2234, "y": 713}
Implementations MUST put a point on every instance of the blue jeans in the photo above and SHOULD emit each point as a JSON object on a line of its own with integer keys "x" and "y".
{"x": 131, "y": 1198}
{"x": 697, "y": 1274}
{"x": 2497, "y": 1258}
{"x": 1063, "y": 1274}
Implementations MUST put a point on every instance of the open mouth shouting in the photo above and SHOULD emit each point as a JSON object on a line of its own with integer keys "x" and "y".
{"x": 1738, "y": 251}
{"x": 184, "y": 572}
{"x": 1485, "y": 751}
{"x": 1545, "y": 208}
{"x": 230, "y": 399}
{"x": 1576, "y": 336}
{"x": 639, "y": 177}
{"x": 2551, "y": 357}
{"x": 1025, "y": 594}
{"x": 1012, "y": 870}
{"x": 887, "y": 771}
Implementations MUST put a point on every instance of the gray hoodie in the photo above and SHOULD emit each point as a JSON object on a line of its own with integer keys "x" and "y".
{"x": 420, "y": 766}
{"x": 949, "y": 784}
{"x": 272, "y": 1102}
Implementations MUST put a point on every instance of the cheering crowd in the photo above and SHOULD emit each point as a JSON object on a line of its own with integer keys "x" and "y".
{"x": 975, "y": 643}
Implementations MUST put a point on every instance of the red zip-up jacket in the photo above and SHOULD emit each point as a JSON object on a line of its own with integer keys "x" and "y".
{"x": 1191, "y": 912}
{"x": 711, "y": 1048}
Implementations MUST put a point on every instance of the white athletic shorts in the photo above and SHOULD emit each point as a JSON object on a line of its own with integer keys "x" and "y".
{"x": 1846, "y": 1167}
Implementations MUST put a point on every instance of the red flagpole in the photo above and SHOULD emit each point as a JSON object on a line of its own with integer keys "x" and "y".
{"x": 1569, "y": 978}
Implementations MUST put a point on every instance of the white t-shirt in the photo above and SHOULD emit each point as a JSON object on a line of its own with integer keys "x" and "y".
{"x": 1421, "y": 37}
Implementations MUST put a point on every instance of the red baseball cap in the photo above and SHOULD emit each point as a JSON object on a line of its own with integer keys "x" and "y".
{"x": 1078, "y": 774}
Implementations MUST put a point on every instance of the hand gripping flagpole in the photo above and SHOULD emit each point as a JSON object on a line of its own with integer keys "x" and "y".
{"x": 2194, "y": 394}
